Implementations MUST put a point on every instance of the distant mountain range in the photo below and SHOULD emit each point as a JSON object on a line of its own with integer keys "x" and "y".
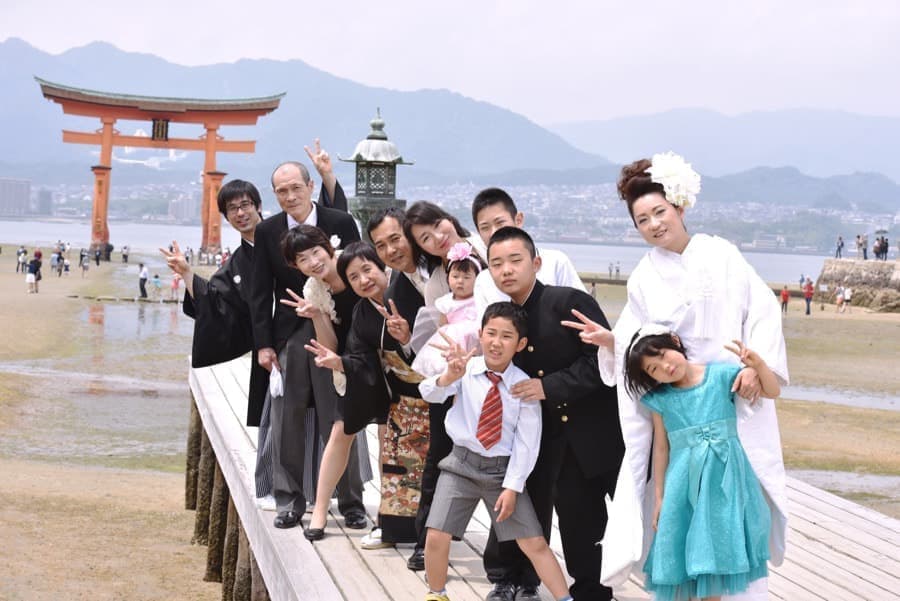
{"x": 450, "y": 137}
{"x": 817, "y": 142}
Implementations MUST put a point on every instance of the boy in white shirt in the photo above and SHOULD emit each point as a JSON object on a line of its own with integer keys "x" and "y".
{"x": 496, "y": 439}
{"x": 492, "y": 209}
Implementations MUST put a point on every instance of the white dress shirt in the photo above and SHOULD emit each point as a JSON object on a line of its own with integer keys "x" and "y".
{"x": 556, "y": 270}
{"x": 520, "y": 437}
{"x": 311, "y": 219}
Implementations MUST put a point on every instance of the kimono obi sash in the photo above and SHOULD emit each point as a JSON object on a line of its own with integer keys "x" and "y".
{"x": 707, "y": 442}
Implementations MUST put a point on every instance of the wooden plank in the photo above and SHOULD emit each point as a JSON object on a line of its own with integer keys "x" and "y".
{"x": 787, "y": 589}
{"x": 832, "y": 557}
{"x": 811, "y": 580}
{"x": 291, "y": 570}
{"x": 817, "y": 501}
{"x": 885, "y": 521}
{"x": 346, "y": 566}
{"x": 834, "y": 532}
{"x": 840, "y": 574}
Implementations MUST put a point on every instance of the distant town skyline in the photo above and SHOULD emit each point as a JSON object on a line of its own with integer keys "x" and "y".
{"x": 574, "y": 60}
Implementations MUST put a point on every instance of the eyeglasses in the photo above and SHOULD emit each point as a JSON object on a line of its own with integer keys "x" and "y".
{"x": 244, "y": 206}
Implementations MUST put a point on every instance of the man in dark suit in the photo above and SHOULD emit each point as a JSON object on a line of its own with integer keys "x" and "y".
{"x": 581, "y": 443}
{"x": 279, "y": 338}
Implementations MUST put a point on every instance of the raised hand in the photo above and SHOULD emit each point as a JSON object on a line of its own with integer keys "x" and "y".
{"x": 320, "y": 159}
{"x": 176, "y": 261}
{"x": 397, "y": 327}
{"x": 323, "y": 356}
{"x": 590, "y": 331}
{"x": 302, "y": 307}
{"x": 457, "y": 358}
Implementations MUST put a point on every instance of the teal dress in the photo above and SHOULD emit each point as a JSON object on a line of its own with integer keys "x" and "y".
{"x": 713, "y": 534}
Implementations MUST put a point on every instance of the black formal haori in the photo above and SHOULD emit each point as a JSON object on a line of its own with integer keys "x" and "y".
{"x": 581, "y": 443}
{"x": 222, "y": 328}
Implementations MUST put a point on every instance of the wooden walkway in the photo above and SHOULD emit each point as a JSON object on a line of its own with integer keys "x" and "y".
{"x": 837, "y": 550}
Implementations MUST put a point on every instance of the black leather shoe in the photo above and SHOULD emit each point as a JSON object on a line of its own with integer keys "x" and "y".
{"x": 355, "y": 520}
{"x": 502, "y": 591}
{"x": 312, "y": 534}
{"x": 527, "y": 593}
{"x": 416, "y": 561}
{"x": 287, "y": 519}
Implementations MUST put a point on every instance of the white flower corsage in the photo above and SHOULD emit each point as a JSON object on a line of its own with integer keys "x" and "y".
{"x": 319, "y": 296}
{"x": 335, "y": 241}
{"x": 679, "y": 180}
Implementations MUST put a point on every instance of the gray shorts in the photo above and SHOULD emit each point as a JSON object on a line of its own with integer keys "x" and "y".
{"x": 467, "y": 477}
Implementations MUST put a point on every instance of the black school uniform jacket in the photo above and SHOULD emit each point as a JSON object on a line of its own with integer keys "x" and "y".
{"x": 578, "y": 407}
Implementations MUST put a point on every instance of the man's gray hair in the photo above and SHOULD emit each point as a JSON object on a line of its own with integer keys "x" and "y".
{"x": 304, "y": 172}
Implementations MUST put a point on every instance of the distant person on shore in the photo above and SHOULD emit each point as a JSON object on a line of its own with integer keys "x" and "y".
{"x": 66, "y": 266}
{"x": 839, "y": 247}
{"x": 33, "y": 270}
{"x": 97, "y": 254}
{"x": 21, "y": 259}
{"x": 848, "y": 294}
{"x": 737, "y": 306}
{"x": 85, "y": 264}
{"x": 60, "y": 263}
{"x": 839, "y": 300}
{"x": 785, "y": 297}
{"x": 864, "y": 242}
{"x": 610, "y": 270}
{"x": 125, "y": 254}
{"x": 142, "y": 279}
{"x": 618, "y": 270}
{"x": 858, "y": 246}
{"x": 175, "y": 287}
{"x": 157, "y": 286}
{"x": 808, "y": 292}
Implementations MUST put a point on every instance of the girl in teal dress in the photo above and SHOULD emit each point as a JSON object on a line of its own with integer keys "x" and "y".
{"x": 711, "y": 519}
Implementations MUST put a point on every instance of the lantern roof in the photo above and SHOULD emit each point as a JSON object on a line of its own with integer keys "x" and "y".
{"x": 376, "y": 148}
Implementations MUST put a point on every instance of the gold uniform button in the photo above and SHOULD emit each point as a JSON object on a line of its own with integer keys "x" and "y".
{"x": 540, "y": 373}
{"x": 530, "y": 349}
{"x": 564, "y": 418}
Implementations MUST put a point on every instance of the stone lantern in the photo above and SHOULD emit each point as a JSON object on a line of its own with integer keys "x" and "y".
{"x": 376, "y": 161}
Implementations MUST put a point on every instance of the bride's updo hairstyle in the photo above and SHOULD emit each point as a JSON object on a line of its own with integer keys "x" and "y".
{"x": 635, "y": 182}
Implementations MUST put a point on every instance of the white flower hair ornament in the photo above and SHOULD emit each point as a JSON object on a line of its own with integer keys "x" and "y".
{"x": 334, "y": 241}
{"x": 680, "y": 182}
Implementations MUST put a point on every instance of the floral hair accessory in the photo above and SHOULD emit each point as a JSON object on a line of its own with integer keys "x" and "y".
{"x": 462, "y": 251}
{"x": 680, "y": 182}
{"x": 334, "y": 241}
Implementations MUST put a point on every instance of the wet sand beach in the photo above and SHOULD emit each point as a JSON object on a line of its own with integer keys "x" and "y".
{"x": 94, "y": 410}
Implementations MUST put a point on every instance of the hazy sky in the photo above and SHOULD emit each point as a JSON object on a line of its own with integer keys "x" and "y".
{"x": 551, "y": 61}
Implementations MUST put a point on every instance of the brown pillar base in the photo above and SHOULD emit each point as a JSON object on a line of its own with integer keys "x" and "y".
{"x": 192, "y": 459}
{"x": 230, "y": 552}
{"x": 218, "y": 520}
{"x": 205, "y": 481}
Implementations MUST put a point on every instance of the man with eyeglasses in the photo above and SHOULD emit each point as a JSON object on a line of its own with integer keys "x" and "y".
{"x": 280, "y": 338}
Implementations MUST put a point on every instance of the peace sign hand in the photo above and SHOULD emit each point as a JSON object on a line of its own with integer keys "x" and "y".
{"x": 320, "y": 159}
{"x": 456, "y": 357}
{"x": 302, "y": 307}
{"x": 324, "y": 357}
{"x": 176, "y": 261}
{"x": 590, "y": 331}
{"x": 397, "y": 327}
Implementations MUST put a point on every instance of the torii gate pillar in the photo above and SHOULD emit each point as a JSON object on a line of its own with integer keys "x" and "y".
{"x": 100, "y": 211}
{"x": 214, "y": 219}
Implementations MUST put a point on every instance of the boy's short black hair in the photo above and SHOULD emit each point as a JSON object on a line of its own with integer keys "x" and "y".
{"x": 637, "y": 381}
{"x": 492, "y": 196}
{"x": 357, "y": 250}
{"x": 512, "y": 233}
{"x": 507, "y": 310}
{"x": 237, "y": 189}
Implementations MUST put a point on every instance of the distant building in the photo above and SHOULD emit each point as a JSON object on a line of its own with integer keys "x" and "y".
{"x": 44, "y": 202}
{"x": 185, "y": 208}
{"x": 15, "y": 196}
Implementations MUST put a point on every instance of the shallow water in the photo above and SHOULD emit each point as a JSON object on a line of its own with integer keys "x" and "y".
{"x": 849, "y": 398}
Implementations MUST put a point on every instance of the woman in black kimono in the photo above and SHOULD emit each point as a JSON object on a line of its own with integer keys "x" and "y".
{"x": 382, "y": 387}
{"x": 328, "y": 302}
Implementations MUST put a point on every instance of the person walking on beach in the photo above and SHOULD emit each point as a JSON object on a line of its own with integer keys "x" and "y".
{"x": 839, "y": 300}
{"x": 125, "y": 254}
{"x": 808, "y": 292}
{"x": 142, "y": 279}
{"x": 848, "y": 293}
{"x": 785, "y": 297}
{"x": 97, "y": 257}
{"x": 21, "y": 259}
{"x": 85, "y": 264}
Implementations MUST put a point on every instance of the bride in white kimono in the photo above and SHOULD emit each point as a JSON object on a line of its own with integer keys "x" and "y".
{"x": 702, "y": 288}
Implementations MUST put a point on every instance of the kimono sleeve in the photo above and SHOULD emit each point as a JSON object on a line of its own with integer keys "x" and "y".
{"x": 222, "y": 329}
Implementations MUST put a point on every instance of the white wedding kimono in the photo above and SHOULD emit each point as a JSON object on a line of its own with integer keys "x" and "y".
{"x": 709, "y": 295}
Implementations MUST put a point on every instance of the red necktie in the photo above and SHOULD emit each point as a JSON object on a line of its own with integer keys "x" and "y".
{"x": 490, "y": 423}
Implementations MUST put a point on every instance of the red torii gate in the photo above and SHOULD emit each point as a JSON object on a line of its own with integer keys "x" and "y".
{"x": 159, "y": 111}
